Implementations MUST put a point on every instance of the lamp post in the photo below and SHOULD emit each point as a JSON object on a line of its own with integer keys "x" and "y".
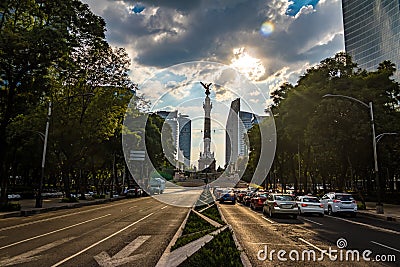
{"x": 39, "y": 200}
{"x": 379, "y": 205}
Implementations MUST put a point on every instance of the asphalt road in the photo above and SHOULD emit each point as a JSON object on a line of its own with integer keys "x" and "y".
{"x": 258, "y": 233}
{"x": 131, "y": 232}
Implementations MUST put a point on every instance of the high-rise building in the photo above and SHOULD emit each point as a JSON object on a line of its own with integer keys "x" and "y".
{"x": 232, "y": 133}
{"x": 181, "y": 127}
{"x": 237, "y": 125}
{"x": 185, "y": 141}
{"x": 372, "y": 32}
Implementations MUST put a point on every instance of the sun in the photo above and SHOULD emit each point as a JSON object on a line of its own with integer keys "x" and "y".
{"x": 250, "y": 66}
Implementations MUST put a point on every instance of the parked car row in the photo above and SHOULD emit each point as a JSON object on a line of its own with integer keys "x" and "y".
{"x": 272, "y": 204}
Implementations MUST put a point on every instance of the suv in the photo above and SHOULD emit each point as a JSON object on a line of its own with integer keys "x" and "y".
{"x": 339, "y": 202}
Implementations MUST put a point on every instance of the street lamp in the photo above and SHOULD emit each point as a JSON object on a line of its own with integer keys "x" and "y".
{"x": 39, "y": 199}
{"x": 379, "y": 205}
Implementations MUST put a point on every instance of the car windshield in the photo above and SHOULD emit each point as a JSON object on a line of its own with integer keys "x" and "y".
{"x": 283, "y": 198}
{"x": 262, "y": 195}
{"x": 310, "y": 199}
{"x": 344, "y": 197}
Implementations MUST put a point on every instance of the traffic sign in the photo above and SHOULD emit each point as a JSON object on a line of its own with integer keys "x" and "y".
{"x": 137, "y": 155}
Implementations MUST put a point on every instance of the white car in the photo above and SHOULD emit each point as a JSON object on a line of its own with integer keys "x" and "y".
{"x": 310, "y": 205}
{"x": 339, "y": 203}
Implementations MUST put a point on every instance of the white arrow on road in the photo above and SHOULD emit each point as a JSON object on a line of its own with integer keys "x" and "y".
{"x": 122, "y": 257}
{"x": 29, "y": 256}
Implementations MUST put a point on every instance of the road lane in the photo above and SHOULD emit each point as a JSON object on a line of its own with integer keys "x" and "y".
{"x": 254, "y": 231}
{"x": 110, "y": 234}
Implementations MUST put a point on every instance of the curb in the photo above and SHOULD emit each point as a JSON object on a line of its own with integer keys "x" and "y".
{"x": 33, "y": 211}
{"x": 379, "y": 216}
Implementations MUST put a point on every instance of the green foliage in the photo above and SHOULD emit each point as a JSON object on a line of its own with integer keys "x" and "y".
{"x": 11, "y": 206}
{"x": 69, "y": 200}
{"x": 330, "y": 137}
{"x": 213, "y": 213}
{"x": 221, "y": 251}
{"x": 196, "y": 224}
{"x": 195, "y": 228}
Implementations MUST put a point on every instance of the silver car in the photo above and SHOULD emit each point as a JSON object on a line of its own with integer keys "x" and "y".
{"x": 310, "y": 205}
{"x": 280, "y": 204}
{"x": 339, "y": 203}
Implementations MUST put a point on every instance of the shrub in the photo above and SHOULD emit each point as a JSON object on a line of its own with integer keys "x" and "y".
{"x": 213, "y": 213}
{"x": 215, "y": 253}
{"x": 69, "y": 200}
{"x": 11, "y": 206}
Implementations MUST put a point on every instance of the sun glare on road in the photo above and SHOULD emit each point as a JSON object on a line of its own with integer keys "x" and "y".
{"x": 246, "y": 64}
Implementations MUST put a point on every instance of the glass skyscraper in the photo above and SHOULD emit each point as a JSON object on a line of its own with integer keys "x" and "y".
{"x": 372, "y": 32}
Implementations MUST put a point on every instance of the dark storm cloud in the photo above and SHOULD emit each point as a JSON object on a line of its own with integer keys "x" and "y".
{"x": 170, "y": 32}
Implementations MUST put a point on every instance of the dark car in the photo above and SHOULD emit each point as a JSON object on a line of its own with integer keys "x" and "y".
{"x": 247, "y": 198}
{"x": 240, "y": 195}
{"x": 227, "y": 196}
{"x": 134, "y": 192}
{"x": 257, "y": 201}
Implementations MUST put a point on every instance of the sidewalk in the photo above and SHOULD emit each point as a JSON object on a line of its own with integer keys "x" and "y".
{"x": 51, "y": 204}
{"x": 391, "y": 212}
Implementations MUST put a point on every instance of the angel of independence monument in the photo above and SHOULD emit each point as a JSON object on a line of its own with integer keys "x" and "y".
{"x": 207, "y": 160}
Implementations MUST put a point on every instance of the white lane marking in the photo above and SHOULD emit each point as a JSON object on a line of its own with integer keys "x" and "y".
{"x": 52, "y": 232}
{"x": 29, "y": 256}
{"x": 164, "y": 207}
{"x": 311, "y": 221}
{"x": 382, "y": 245}
{"x": 323, "y": 251}
{"x": 61, "y": 216}
{"x": 268, "y": 220}
{"x": 101, "y": 241}
{"x": 367, "y": 225}
{"x": 122, "y": 257}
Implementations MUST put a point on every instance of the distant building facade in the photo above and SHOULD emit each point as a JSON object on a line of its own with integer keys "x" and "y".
{"x": 182, "y": 135}
{"x": 185, "y": 139}
{"x": 236, "y": 141}
{"x": 372, "y": 32}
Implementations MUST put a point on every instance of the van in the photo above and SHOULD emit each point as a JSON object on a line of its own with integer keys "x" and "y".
{"x": 157, "y": 185}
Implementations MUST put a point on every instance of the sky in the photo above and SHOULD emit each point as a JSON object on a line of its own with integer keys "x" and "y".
{"x": 246, "y": 48}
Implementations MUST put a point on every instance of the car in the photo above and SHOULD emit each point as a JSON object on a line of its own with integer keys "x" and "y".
{"x": 247, "y": 198}
{"x": 257, "y": 201}
{"x": 240, "y": 194}
{"x": 310, "y": 205}
{"x": 227, "y": 196}
{"x": 157, "y": 185}
{"x": 278, "y": 203}
{"x": 335, "y": 203}
{"x": 134, "y": 192}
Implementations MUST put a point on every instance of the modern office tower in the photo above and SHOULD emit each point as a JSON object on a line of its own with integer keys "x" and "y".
{"x": 232, "y": 134}
{"x": 185, "y": 139}
{"x": 247, "y": 120}
{"x": 181, "y": 127}
{"x": 372, "y": 32}
{"x": 237, "y": 125}
{"x": 171, "y": 118}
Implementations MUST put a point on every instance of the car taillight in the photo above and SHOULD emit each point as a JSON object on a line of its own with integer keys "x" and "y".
{"x": 304, "y": 205}
{"x": 336, "y": 201}
{"x": 275, "y": 204}
{"x": 260, "y": 200}
{"x": 321, "y": 205}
